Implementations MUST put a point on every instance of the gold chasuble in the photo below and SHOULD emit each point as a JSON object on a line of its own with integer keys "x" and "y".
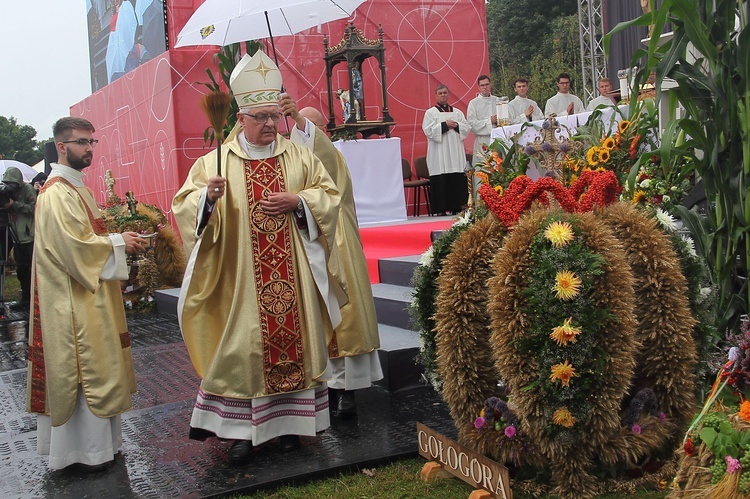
{"x": 250, "y": 312}
{"x": 358, "y": 331}
{"x": 78, "y": 334}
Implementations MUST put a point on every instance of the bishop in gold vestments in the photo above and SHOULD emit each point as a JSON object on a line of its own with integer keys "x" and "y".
{"x": 257, "y": 297}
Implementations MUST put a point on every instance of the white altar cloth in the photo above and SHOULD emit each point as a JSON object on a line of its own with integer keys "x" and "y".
{"x": 377, "y": 179}
{"x": 572, "y": 122}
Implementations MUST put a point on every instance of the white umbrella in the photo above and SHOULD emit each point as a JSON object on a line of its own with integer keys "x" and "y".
{"x": 223, "y": 22}
{"x": 28, "y": 172}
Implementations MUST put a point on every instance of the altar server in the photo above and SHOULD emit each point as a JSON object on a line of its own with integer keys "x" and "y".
{"x": 563, "y": 102}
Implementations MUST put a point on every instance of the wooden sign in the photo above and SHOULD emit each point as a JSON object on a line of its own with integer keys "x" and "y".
{"x": 460, "y": 461}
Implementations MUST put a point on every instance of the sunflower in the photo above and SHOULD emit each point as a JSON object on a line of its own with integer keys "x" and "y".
{"x": 499, "y": 189}
{"x": 639, "y": 196}
{"x": 608, "y": 143}
{"x": 623, "y": 126}
{"x": 559, "y": 234}
{"x": 604, "y": 155}
{"x": 566, "y": 333}
{"x": 567, "y": 285}
{"x": 592, "y": 156}
{"x": 563, "y": 417}
{"x": 564, "y": 372}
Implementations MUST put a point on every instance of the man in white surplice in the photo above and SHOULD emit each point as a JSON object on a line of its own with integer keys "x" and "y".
{"x": 604, "y": 99}
{"x": 482, "y": 114}
{"x": 446, "y": 128}
{"x": 563, "y": 102}
{"x": 522, "y": 109}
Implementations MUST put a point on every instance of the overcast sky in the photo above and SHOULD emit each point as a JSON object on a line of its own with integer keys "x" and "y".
{"x": 44, "y": 60}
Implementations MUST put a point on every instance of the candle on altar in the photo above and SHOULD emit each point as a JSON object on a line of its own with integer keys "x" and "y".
{"x": 502, "y": 114}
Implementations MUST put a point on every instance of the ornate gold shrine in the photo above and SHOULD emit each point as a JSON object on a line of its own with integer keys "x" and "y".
{"x": 354, "y": 48}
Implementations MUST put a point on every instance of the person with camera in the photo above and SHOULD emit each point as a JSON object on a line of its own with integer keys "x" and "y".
{"x": 18, "y": 199}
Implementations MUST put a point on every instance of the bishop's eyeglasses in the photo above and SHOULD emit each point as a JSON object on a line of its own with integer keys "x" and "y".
{"x": 262, "y": 118}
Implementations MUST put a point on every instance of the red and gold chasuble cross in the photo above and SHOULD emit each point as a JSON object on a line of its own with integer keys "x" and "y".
{"x": 275, "y": 281}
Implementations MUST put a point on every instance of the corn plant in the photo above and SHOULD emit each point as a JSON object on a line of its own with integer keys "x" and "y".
{"x": 714, "y": 91}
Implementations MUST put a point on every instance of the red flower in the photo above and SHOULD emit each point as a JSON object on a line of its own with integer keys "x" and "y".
{"x": 593, "y": 188}
{"x": 689, "y": 447}
{"x": 657, "y": 199}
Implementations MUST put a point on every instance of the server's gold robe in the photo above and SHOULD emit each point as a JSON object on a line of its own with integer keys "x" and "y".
{"x": 78, "y": 333}
{"x": 219, "y": 315}
{"x": 358, "y": 331}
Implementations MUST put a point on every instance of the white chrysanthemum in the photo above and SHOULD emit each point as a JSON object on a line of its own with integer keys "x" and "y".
{"x": 645, "y": 183}
{"x": 666, "y": 220}
{"x": 690, "y": 244}
{"x": 626, "y": 187}
{"x": 426, "y": 259}
{"x": 464, "y": 219}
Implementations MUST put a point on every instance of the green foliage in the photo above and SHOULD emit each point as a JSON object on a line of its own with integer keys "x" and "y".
{"x": 702, "y": 297}
{"x": 226, "y": 60}
{"x": 714, "y": 91}
{"x": 17, "y": 142}
{"x": 423, "y": 307}
{"x": 534, "y": 39}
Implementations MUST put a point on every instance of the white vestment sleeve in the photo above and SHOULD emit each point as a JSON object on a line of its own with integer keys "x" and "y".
{"x": 116, "y": 268}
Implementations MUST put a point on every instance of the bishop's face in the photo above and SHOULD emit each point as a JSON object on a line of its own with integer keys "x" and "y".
{"x": 260, "y": 124}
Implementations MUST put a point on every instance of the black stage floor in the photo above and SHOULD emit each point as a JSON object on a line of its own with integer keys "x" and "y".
{"x": 158, "y": 460}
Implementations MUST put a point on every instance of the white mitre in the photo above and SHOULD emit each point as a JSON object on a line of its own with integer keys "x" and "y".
{"x": 255, "y": 81}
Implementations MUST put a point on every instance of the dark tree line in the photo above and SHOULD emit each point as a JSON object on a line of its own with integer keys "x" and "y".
{"x": 18, "y": 142}
{"x": 534, "y": 39}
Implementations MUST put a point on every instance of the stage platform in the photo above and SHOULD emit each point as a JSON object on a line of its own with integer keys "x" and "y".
{"x": 157, "y": 458}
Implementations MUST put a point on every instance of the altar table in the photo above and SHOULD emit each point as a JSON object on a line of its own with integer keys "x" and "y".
{"x": 377, "y": 179}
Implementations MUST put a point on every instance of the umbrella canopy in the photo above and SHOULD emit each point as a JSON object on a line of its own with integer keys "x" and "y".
{"x": 223, "y": 22}
{"x": 27, "y": 171}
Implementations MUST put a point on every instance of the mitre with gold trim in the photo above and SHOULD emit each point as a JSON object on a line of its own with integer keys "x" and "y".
{"x": 255, "y": 81}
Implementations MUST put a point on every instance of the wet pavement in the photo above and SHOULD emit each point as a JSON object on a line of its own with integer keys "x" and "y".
{"x": 158, "y": 460}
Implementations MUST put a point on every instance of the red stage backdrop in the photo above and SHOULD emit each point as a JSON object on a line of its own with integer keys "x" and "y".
{"x": 149, "y": 121}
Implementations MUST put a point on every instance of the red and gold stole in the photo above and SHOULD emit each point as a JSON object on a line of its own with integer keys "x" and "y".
{"x": 275, "y": 281}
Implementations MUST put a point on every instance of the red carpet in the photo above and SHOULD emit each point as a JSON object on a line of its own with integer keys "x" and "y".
{"x": 397, "y": 240}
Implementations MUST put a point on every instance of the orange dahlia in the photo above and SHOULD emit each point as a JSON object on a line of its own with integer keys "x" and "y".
{"x": 563, "y": 417}
{"x": 567, "y": 285}
{"x": 563, "y": 372}
{"x": 566, "y": 333}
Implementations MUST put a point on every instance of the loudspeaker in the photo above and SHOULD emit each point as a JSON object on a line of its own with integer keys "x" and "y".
{"x": 50, "y": 155}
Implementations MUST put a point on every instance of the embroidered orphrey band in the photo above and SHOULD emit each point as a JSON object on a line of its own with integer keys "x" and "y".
{"x": 275, "y": 280}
